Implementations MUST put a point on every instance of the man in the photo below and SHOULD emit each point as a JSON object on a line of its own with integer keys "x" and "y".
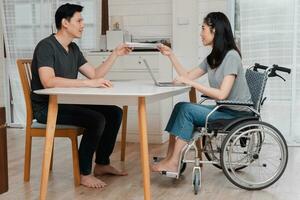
{"x": 56, "y": 63}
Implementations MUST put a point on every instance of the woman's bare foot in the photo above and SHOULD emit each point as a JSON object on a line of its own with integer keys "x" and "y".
{"x": 100, "y": 170}
{"x": 91, "y": 181}
{"x": 169, "y": 165}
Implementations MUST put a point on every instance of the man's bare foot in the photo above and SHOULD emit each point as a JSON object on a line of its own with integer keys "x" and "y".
{"x": 100, "y": 170}
{"x": 91, "y": 181}
{"x": 170, "y": 166}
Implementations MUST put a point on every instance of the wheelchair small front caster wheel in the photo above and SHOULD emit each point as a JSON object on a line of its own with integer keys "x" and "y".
{"x": 196, "y": 180}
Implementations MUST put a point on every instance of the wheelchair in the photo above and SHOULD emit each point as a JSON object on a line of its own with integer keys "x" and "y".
{"x": 253, "y": 154}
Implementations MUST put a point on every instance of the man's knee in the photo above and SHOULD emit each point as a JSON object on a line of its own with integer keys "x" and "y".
{"x": 117, "y": 112}
{"x": 99, "y": 122}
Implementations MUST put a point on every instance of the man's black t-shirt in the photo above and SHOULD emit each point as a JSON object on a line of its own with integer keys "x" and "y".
{"x": 49, "y": 52}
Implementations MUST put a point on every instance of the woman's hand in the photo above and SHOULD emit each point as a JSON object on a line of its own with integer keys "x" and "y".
{"x": 122, "y": 49}
{"x": 182, "y": 79}
{"x": 165, "y": 50}
{"x": 99, "y": 82}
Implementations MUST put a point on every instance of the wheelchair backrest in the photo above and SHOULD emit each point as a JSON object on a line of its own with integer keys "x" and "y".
{"x": 256, "y": 82}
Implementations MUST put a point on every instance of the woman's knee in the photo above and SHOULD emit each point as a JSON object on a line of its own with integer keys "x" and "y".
{"x": 185, "y": 106}
{"x": 180, "y": 105}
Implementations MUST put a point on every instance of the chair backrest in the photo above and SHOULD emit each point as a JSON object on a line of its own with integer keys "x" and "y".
{"x": 256, "y": 82}
{"x": 24, "y": 67}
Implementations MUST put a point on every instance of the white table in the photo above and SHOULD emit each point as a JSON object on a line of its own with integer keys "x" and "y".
{"x": 123, "y": 93}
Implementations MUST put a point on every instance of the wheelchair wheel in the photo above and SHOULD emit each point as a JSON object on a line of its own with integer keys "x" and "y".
{"x": 259, "y": 147}
{"x": 196, "y": 180}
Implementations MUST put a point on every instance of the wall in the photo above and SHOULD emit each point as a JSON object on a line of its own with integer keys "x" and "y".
{"x": 144, "y": 18}
{"x": 185, "y": 36}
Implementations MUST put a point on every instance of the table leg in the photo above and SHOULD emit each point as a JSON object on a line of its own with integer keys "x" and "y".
{"x": 124, "y": 131}
{"x": 50, "y": 130}
{"x": 144, "y": 147}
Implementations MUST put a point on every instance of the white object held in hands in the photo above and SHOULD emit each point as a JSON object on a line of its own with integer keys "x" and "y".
{"x": 142, "y": 45}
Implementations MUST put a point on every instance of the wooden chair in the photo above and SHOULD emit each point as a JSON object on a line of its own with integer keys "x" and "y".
{"x": 34, "y": 129}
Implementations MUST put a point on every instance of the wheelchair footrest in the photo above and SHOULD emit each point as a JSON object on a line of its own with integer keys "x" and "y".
{"x": 170, "y": 174}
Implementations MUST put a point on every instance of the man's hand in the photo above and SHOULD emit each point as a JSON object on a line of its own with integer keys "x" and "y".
{"x": 122, "y": 50}
{"x": 99, "y": 82}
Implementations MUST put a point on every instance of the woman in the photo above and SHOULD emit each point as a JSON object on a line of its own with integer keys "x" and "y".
{"x": 226, "y": 79}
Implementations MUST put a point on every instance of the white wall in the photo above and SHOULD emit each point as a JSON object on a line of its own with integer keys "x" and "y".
{"x": 144, "y": 18}
{"x": 185, "y": 31}
{"x": 185, "y": 36}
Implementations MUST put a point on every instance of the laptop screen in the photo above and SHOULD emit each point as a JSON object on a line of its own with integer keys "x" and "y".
{"x": 150, "y": 71}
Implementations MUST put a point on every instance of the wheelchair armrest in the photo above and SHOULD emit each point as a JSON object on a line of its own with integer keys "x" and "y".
{"x": 204, "y": 98}
{"x": 238, "y": 103}
{"x": 224, "y": 103}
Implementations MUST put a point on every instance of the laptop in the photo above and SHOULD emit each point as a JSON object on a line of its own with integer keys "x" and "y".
{"x": 160, "y": 84}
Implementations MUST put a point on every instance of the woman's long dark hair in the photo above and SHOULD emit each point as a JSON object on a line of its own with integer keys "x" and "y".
{"x": 223, "y": 39}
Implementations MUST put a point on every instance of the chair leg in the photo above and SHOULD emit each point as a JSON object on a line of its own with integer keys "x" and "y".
{"x": 27, "y": 159}
{"x": 76, "y": 171}
{"x": 51, "y": 163}
{"x": 124, "y": 131}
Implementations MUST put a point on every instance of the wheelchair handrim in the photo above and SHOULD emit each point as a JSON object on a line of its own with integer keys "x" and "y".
{"x": 233, "y": 139}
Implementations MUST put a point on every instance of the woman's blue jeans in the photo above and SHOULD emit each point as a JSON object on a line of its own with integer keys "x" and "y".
{"x": 185, "y": 116}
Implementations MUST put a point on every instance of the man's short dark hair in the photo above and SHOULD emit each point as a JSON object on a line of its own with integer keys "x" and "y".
{"x": 66, "y": 11}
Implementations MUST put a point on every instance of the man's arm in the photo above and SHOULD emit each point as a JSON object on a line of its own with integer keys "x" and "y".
{"x": 91, "y": 72}
{"x": 49, "y": 80}
{"x": 100, "y": 72}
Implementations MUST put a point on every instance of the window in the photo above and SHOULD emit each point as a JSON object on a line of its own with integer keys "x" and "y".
{"x": 269, "y": 33}
{"x": 38, "y": 22}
